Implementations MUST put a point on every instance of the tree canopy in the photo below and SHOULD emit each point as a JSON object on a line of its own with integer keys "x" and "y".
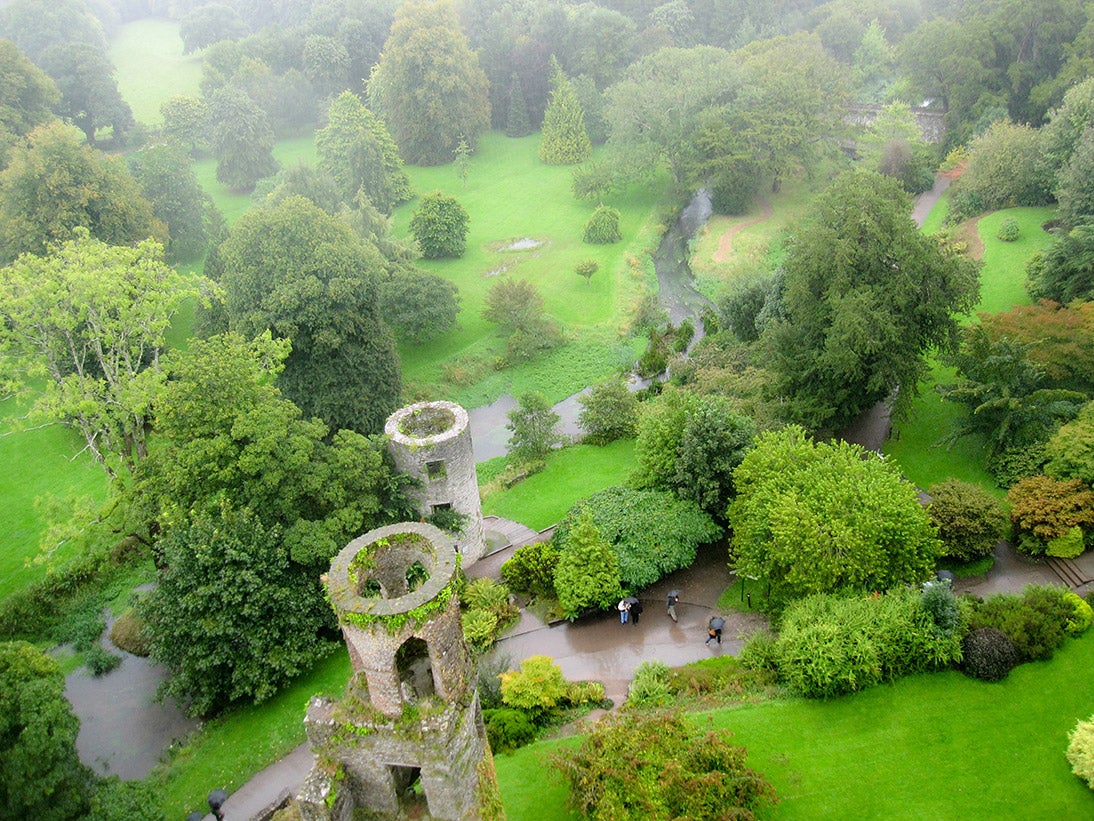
{"x": 306, "y": 276}
{"x": 428, "y": 85}
{"x": 91, "y": 318}
{"x": 821, "y": 517}
{"x": 866, "y": 296}
{"x": 27, "y": 95}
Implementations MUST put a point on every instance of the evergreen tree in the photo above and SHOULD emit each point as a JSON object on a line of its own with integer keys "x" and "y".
{"x": 517, "y": 123}
{"x": 565, "y": 140}
{"x": 242, "y": 140}
{"x": 587, "y": 574}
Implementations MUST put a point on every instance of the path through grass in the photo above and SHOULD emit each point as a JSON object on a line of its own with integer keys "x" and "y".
{"x": 930, "y": 746}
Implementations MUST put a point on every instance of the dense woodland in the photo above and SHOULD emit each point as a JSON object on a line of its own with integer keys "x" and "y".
{"x": 241, "y": 462}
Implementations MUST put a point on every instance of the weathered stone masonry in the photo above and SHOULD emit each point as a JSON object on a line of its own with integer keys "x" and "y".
{"x": 410, "y": 712}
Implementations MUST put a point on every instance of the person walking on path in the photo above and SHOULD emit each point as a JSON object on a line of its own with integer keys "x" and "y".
{"x": 636, "y": 611}
{"x": 714, "y": 629}
{"x": 624, "y": 608}
{"x": 674, "y": 597}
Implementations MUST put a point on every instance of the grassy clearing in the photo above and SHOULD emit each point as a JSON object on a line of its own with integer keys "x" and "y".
{"x": 151, "y": 66}
{"x": 929, "y": 746}
{"x": 227, "y": 751}
{"x": 510, "y": 195}
{"x": 571, "y": 474}
{"x": 916, "y": 441}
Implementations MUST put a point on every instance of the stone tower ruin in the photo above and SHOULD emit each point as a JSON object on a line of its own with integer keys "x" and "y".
{"x": 431, "y": 441}
{"x": 408, "y": 736}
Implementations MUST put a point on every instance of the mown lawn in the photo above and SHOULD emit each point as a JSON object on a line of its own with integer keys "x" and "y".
{"x": 152, "y": 68}
{"x": 511, "y": 196}
{"x": 929, "y": 746}
{"x": 571, "y": 474}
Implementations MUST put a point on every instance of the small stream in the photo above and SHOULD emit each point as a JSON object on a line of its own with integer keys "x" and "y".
{"x": 676, "y": 294}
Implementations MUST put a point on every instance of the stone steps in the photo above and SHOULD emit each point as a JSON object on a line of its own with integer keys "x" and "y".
{"x": 1069, "y": 572}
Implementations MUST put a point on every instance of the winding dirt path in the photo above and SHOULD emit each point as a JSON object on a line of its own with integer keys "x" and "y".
{"x": 725, "y": 242}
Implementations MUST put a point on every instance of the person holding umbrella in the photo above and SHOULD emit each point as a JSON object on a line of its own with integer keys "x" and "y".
{"x": 634, "y": 608}
{"x": 714, "y": 630}
{"x": 674, "y": 597}
{"x": 624, "y": 607}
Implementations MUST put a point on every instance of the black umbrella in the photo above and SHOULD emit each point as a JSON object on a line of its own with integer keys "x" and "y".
{"x": 717, "y": 623}
{"x": 674, "y": 593}
{"x": 631, "y": 600}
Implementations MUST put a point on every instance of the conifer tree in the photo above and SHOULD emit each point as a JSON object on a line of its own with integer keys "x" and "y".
{"x": 587, "y": 574}
{"x": 565, "y": 140}
{"x": 517, "y": 123}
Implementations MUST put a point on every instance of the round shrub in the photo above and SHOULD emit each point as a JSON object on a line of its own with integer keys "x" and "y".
{"x": 970, "y": 520}
{"x": 1080, "y": 751}
{"x": 586, "y": 268}
{"x": 101, "y": 661}
{"x": 531, "y": 569}
{"x": 127, "y": 633}
{"x": 479, "y": 628}
{"x": 507, "y": 728}
{"x": 1009, "y": 230}
{"x": 440, "y": 224}
{"x": 650, "y": 687}
{"x": 603, "y": 226}
{"x": 585, "y": 692}
{"x": 538, "y": 688}
{"x": 988, "y": 654}
{"x": 1035, "y": 621}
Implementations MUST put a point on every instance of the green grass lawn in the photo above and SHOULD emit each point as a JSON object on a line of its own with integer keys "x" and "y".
{"x": 510, "y": 195}
{"x": 151, "y": 66}
{"x": 929, "y": 746}
{"x": 571, "y": 474}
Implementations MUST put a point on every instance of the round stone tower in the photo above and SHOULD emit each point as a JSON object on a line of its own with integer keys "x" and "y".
{"x": 407, "y": 737}
{"x": 431, "y": 441}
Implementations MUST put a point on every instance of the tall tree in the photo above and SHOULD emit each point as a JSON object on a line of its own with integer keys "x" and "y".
{"x": 35, "y": 25}
{"x": 166, "y": 178}
{"x": 428, "y": 85}
{"x": 27, "y": 96}
{"x": 242, "y": 139}
{"x": 56, "y": 183}
{"x": 564, "y": 140}
{"x": 91, "y": 319}
{"x": 210, "y": 23}
{"x": 326, "y": 63}
{"x": 587, "y": 573}
{"x": 866, "y": 296}
{"x": 517, "y": 123}
{"x": 186, "y": 121}
{"x": 304, "y": 274}
{"x": 40, "y": 772}
{"x": 89, "y": 91}
{"x": 532, "y": 425}
{"x": 356, "y": 149}
{"x": 819, "y": 518}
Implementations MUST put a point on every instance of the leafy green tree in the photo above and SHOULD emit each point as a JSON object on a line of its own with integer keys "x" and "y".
{"x": 357, "y": 151}
{"x": 27, "y": 96}
{"x": 1070, "y": 450}
{"x": 89, "y": 91}
{"x": 428, "y": 84}
{"x": 1065, "y": 272}
{"x": 185, "y": 120}
{"x": 167, "y": 180}
{"x": 40, "y": 772}
{"x": 1005, "y": 168}
{"x": 792, "y": 102}
{"x": 660, "y": 766}
{"x": 819, "y": 518}
{"x": 564, "y": 140}
{"x": 1043, "y": 509}
{"x": 691, "y": 445}
{"x": 517, "y": 307}
{"x": 230, "y": 616}
{"x": 532, "y": 428}
{"x": 970, "y": 520}
{"x": 587, "y": 573}
{"x": 304, "y": 274}
{"x": 609, "y": 411}
{"x": 872, "y": 63}
{"x": 1004, "y": 394}
{"x": 54, "y": 184}
{"x": 1060, "y": 340}
{"x": 602, "y": 228}
{"x": 229, "y": 436}
{"x": 418, "y": 306}
{"x": 242, "y": 139}
{"x": 326, "y": 63}
{"x": 440, "y": 225}
{"x": 1075, "y": 183}
{"x": 651, "y": 532}
{"x": 35, "y": 25}
{"x": 894, "y": 146}
{"x": 866, "y": 296}
{"x": 210, "y": 23}
{"x": 1066, "y": 125}
{"x": 91, "y": 319}
{"x": 663, "y": 99}
{"x": 517, "y": 123}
